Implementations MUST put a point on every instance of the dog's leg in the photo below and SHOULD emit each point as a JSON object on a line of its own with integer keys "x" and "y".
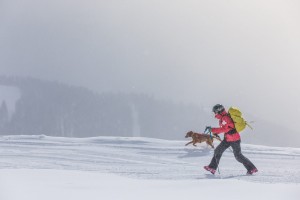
{"x": 210, "y": 144}
{"x": 188, "y": 143}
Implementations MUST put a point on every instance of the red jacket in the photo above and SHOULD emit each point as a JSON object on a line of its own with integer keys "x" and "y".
{"x": 226, "y": 125}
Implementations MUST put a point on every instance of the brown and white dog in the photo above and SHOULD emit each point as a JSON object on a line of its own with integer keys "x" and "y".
{"x": 201, "y": 137}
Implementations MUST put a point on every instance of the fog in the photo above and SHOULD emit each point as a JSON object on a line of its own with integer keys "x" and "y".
{"x": 242, "y": 53}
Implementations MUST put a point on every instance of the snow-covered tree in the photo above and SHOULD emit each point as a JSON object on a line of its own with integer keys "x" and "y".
{"x": 4, "y": 116}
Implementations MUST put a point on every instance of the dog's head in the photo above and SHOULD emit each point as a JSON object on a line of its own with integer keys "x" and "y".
{"x": 189, "y": 134}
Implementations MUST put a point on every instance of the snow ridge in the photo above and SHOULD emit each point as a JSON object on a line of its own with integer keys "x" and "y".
{"x": 145, "y": 158}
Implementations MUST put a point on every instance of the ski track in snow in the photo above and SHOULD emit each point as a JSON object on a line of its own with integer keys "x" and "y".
{"x": 145, "y": 158}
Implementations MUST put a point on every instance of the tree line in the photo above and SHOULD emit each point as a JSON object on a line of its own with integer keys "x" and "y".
{"x": 58, "y": 109}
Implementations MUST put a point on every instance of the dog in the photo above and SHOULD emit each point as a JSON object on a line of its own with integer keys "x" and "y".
{"x": 201, "y": 137}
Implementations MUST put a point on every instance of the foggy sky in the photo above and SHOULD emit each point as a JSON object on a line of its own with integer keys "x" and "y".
{"x": 242, "y": 53}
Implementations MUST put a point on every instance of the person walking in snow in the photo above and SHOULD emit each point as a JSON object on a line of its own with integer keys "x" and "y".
{"x": 231, "y": 139}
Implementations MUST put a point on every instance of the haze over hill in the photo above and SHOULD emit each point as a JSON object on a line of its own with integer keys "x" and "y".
{"x": 31, "y": 106}
{"x": 242, "y": 53}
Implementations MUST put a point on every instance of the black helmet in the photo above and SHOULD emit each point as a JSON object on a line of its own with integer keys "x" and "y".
{"x": 218, "y": 109}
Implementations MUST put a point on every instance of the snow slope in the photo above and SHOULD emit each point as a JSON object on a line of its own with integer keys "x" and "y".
{"x": 42, "y": 167}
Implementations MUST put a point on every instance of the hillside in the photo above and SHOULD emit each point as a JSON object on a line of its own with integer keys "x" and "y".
{"x": 57, "y": 109}
{"x": 33, "y": 106}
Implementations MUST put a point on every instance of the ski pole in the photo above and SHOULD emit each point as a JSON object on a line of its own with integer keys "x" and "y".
{"x": 207, "y": 129}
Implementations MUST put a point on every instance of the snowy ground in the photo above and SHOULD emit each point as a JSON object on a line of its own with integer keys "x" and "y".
{"x": 41, "y": 167}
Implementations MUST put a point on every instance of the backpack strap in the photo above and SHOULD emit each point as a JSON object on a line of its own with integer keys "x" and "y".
{"x": 233, "y": 130}
{"x": 249, "y": 125}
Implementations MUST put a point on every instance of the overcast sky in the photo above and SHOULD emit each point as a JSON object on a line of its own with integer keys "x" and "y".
{"x": 234, "y": 52}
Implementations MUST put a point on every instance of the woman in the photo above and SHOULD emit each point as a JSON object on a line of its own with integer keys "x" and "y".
{"x": 231, "y": 139}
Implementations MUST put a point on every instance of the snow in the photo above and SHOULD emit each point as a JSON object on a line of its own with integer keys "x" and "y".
{"x": 42, "y": 167}
{"x": 77, "y": 185}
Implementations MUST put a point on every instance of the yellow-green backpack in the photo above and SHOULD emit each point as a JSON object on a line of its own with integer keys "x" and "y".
{"x": 239, "y": 122}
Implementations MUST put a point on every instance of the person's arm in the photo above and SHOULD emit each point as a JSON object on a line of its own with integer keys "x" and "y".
{"x": 227, "y": 125}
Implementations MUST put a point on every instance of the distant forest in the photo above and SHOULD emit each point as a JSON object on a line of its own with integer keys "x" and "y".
{"x": 57, "y": 109}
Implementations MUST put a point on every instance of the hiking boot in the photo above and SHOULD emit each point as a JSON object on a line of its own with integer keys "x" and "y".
{"x": 211, "y": 170}
{"x": 252, "y": 171}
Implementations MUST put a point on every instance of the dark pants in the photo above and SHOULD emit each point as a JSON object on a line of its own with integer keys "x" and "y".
{"x": 236, "y": 146}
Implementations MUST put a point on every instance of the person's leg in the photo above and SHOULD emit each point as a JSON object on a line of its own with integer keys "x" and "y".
{"x": 218, "y": 154}
{"x": 236, "y": 146}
